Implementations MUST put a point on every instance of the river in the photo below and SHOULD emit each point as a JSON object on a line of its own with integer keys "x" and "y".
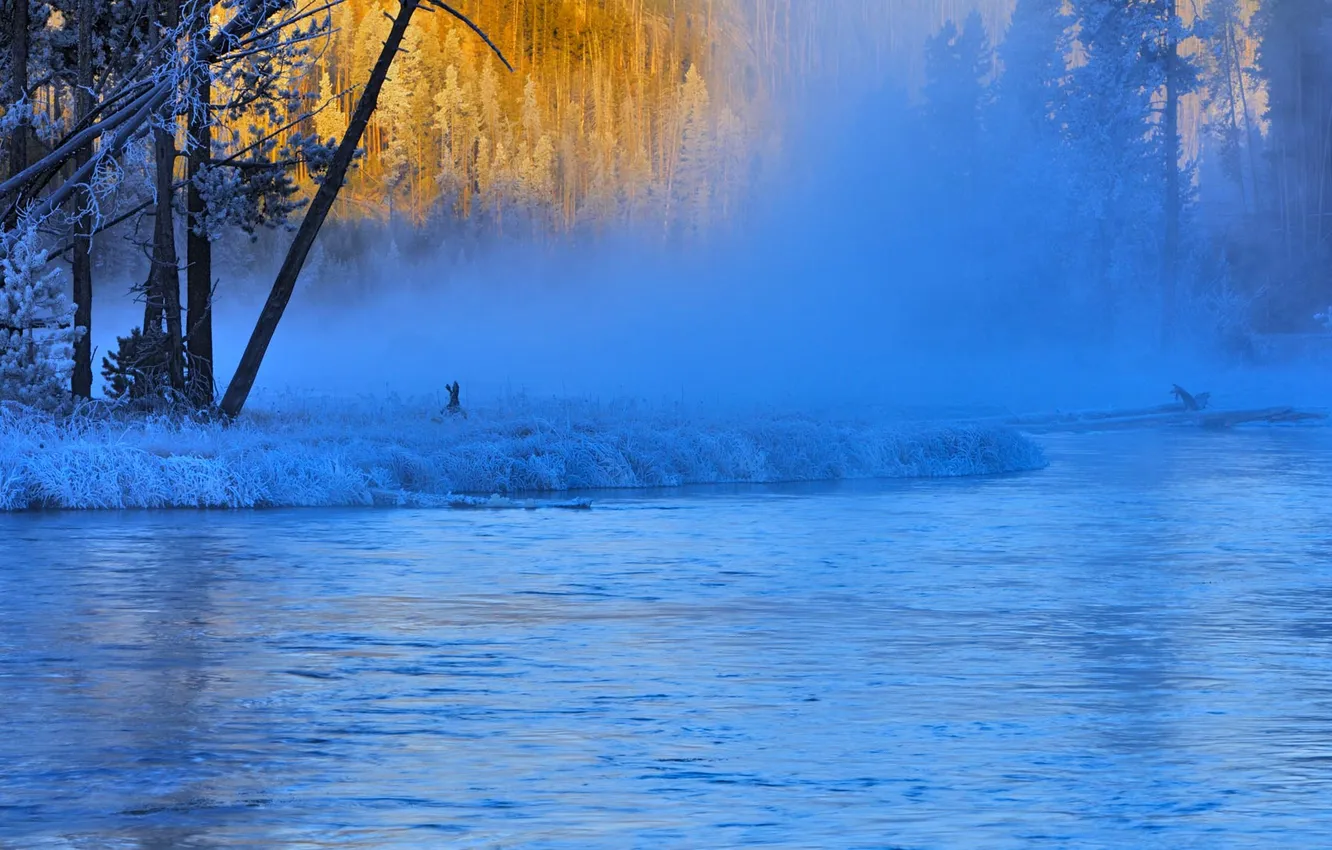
{"x": 1129, "y": 648}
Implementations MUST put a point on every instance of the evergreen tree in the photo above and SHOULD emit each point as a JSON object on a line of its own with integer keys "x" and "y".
{"x": 37, "y": 332}
{"x": 690, "y": 187}
{"x": 1120, "y": 149}
{"x": 958, "y": 66}
{"x": 1027, "y": 157}
{"x": 1034, "y": 61}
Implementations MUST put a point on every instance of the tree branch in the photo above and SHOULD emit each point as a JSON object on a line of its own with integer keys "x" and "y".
{"x": 289, "y": 22}
{"x": 460, "y": 16}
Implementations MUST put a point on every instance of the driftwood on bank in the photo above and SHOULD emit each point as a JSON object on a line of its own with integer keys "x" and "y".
{"x": 1272, "y": 415}
{"x": 1163, "y": 415}
{"x": 1190, "y": 410}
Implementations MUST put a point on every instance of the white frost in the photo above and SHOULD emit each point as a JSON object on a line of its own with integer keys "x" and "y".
{"x": 325, "y": 453}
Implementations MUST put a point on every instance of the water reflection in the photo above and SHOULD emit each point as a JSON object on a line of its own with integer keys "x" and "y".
{"x": 1126, "y": 649}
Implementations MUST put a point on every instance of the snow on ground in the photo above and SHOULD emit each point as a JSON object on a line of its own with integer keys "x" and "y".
{"x": 304, "y": 451}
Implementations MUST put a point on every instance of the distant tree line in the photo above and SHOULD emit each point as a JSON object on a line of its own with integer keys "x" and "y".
{"x": 1061, "y": 160}
{"x": 1134, "y": 160}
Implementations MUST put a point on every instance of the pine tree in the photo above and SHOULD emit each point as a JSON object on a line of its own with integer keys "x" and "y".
{"x": 1027, "y": 156}
{"x": 1034, "y": 61}
{"x": 398, "y": 116}
{"x": 691, "y": 185}
{"x": 37, "y": 332}
{"x": 1121, "y": 149}
{"x": 1110, "y": 105}
{"x": 958, "y": 65}
{"x": 330, "y": 121}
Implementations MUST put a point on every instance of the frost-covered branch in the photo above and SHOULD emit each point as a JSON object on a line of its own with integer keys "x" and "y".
{"x": 167, "y": 82}
{"x": 292, "y": 21}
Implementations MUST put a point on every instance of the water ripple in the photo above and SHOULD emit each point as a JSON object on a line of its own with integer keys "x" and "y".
{"x": 1128, "y": 649}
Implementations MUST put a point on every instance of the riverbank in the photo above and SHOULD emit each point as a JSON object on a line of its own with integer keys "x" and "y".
{"x": 326, "y": 452}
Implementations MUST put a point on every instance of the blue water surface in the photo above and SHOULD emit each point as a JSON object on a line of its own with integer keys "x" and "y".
{"x": 1130, "y": 648}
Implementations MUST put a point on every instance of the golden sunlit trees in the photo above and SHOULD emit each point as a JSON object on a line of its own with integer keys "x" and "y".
{"x": 590, "y": 130}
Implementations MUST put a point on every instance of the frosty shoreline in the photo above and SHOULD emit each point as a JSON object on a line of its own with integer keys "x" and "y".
{"x": 339, "y": 453}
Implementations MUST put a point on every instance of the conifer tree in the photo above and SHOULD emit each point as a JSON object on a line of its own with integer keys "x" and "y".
{"x": 1124, "y": 149}
{"x": 1027, "y": 154}
{"x": 690, "y": 189}
{"x": 958, "y": 65}
{"x": 37, "y": 332}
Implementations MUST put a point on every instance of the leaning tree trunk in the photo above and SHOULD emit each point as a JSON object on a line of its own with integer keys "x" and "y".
{"x": 243, "y": 381}
{"x": 198, "y": 247}
{"x": 1173, "y": 202}
{"x": 164, "y": 290}
{"x": 81, "y": 384}
{"x": 18, "y": 82}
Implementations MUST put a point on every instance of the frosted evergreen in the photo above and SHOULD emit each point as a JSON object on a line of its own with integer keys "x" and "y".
{"x": 37, "y": 332}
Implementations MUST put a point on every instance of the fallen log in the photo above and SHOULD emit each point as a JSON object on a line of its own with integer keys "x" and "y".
{"x": 1167, "y": 415}
{"x": 1271, "y": 415}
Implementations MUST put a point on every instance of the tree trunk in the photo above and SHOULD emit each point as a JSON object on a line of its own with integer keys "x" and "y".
{"x": 81, "y": 385}
{"x": 164, "y": 291}
{"x": 198, "y": 247}
{"x": 1173, "y": 202}
{"x": 1253, "y": 143}
{"x": 243, "y": 381}
{"x": 18, "y": 69}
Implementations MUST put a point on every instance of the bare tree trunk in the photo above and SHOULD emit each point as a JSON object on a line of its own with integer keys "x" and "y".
{"x": 243, "y": 381}
{"x": 1173, "y": 202}
{"x": 1253, "y": 143}
{"x": 198, "y": 247}
{"x": 1233, "y": 66}
{"x": 81, "y": 384}
{"x": 165, "y": 287}
{"x": 18, "y": 69}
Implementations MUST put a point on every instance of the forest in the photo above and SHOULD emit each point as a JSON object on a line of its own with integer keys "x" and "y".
{"x": 1134, "y": 167}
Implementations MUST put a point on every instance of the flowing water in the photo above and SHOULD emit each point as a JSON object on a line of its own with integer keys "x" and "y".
{"x": 1131, "y": 648}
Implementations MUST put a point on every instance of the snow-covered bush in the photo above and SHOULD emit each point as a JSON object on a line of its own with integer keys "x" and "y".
{"x": 37, "y": 332}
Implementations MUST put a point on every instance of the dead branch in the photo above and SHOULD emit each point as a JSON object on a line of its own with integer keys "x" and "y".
{"x": 474, "y": 28}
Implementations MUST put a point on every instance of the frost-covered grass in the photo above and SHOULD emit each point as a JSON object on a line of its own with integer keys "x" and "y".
{"x": 307, "y": 452}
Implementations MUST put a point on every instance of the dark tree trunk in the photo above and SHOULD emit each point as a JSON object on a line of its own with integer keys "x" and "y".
{"x": 198, "y": 247}
{"x": 1173, "y": 201}
{"x": 81, "y": 385}
{"x": 243, "y": 381}
{"x": 164, "y": 289}
{"x": 18, "y": 69}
